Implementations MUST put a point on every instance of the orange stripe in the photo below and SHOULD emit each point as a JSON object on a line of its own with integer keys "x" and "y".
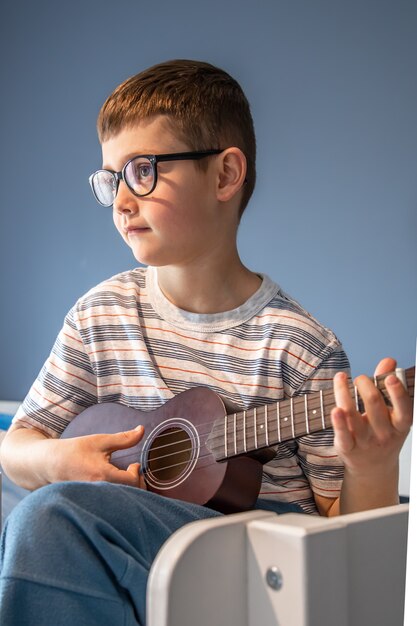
{"x": 220, "y": 380}
{"x": 132, "y": 386}
{"x": 289, "y": 466}
{"x": 54, "y": 403}
{"x": 84, "y": 380}
{"x": 83, "y": 319}
{"x": 291, "y": 480}
{"x": 229, "y": 345}
{"x": 72, "y": 338}
{"x": 146, "y": 352}
{"x": 103, "y": 288}
{"x": 120, "y": 350}
{"x": 205, "y": 341}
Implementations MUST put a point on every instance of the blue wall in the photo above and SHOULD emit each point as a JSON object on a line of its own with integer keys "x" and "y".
{"x": 333, "y": 88}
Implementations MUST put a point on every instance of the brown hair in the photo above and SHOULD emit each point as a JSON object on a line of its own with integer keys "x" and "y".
{"x": 207, "y": 107}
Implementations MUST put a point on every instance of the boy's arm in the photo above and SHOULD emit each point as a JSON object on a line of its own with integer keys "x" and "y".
{"x": 369, "y": 444}
{"x": 32, "y": 459}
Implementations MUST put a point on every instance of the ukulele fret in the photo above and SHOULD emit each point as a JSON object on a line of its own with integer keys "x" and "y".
{"x": 261, "y": 428}
{"x": 244, "y": 432}
{"x": 323, "y": 423}
{"x": 306, "y": 413}
{"x": 356, "y": 397}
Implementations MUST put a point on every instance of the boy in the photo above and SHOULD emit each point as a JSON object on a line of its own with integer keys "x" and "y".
{"x": 178, "y": 169}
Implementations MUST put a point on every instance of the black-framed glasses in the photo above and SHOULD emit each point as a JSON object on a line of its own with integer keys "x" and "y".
{"x": 140, "y": 174}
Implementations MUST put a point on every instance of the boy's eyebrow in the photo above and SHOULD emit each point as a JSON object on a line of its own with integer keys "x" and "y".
{"x": 129, "y": 156}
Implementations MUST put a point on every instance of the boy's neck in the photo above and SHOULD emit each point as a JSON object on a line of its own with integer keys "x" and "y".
{"x": 207, "y": 289}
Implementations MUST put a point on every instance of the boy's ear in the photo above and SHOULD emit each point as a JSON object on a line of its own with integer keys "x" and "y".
{"x": 231, "y": 173}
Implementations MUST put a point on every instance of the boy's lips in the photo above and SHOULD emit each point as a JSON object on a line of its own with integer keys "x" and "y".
{"x": 131, "y": 230}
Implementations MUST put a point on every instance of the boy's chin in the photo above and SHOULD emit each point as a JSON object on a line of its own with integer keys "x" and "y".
{"x": 153, "y": 260}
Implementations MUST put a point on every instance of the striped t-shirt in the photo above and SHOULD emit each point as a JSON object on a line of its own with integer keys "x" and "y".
{"x": 125, "y": 342}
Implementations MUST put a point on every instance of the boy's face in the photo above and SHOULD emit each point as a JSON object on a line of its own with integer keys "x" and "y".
{"x": 177, "y": 223}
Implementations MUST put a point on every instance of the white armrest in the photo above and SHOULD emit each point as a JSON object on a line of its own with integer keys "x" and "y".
{"x": 348, "y": 571}
{"x": 199, "y": 576}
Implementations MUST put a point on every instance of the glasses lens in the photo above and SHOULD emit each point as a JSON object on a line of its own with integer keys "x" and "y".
{"x": 104, "y": 187}
{"x": 140, "y": 175}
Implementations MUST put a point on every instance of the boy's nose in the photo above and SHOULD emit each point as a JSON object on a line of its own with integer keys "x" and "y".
{"x": 125, "y": 201}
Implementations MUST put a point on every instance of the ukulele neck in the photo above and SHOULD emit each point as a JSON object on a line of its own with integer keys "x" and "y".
{"x": 245, "y": 432}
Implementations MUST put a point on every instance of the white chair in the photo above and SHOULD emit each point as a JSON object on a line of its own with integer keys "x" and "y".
{"x": 260, "y": 569}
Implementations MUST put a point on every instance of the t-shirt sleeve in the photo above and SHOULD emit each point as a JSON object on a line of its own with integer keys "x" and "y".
{"x": 316, "y": 453}
{"x": 65, "y": 386}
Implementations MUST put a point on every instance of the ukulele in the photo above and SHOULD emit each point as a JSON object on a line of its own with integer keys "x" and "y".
{"x": 193, "y": 450}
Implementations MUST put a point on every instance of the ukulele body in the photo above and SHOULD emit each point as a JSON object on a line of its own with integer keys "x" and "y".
{"x": 173, "y": 454}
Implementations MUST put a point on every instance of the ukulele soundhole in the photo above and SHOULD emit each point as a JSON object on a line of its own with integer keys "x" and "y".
{"x": 170, "y": 454}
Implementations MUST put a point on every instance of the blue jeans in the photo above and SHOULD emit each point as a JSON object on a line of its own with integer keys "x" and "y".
{"x": 80, "y": 553}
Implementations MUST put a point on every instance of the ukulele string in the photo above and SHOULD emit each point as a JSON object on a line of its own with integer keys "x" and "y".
{"x": 250, "y": 428}
{"x": 289, "y": 424}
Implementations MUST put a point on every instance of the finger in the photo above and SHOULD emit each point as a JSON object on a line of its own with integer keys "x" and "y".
{"x": 135, "y": 469}
{"x": 377, "y": 413}
{"x": 122, "y": 440}
{"x": 402, "y": 415}
{"x": 385, "y": 366}
{"x": 343, "y": 438}
{"x": 342, "y": 392}
{"x": 130, "y": 476}
{"x": 345, "y": 400}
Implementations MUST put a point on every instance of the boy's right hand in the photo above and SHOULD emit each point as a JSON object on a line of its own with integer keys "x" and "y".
{"x": 88, "y": 458}
{"x": 32, "y": 459}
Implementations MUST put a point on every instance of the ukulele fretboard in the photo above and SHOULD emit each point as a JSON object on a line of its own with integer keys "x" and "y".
{"x": 244, "y": 432}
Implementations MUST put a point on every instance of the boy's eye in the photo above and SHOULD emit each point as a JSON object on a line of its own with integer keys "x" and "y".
{"x": 139, "y": 175}
{"x": 143, "y": 170}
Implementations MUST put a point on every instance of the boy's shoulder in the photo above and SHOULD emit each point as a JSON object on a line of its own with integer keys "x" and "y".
{"x": 309, "y": 347}
{"x": 126, "y": 281}
{"x": 123, "y": 284}
{"x": 287, "y": 311}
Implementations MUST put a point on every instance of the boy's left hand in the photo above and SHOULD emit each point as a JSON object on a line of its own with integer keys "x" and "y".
{"x": 369, "y": 444}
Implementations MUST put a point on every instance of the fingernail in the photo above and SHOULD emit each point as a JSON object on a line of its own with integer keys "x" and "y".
{"x": 140, "y": 427}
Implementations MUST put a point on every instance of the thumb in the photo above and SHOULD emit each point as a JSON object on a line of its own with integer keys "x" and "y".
{"x": 124, "y": 439}
{"x": 135, "y": 470}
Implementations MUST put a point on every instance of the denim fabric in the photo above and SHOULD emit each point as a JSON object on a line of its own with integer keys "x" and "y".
{"x": 80, "y": 553}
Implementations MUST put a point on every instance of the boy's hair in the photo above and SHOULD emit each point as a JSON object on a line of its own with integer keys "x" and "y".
{"x": 206, "y": 106}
